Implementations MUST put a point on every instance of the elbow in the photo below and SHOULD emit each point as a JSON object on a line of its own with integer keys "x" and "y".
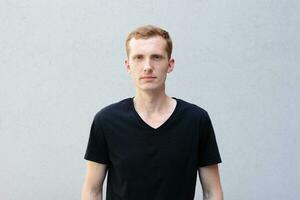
{"x": 88, "y": 193}
{"x": 214, "y": 194}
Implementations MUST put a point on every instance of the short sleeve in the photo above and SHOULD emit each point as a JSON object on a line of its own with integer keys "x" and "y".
{"x": 97, "y": 150}
{"x": 208, "y": 148}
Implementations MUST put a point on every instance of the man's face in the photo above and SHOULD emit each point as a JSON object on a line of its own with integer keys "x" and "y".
{"x": 148, "y": 63}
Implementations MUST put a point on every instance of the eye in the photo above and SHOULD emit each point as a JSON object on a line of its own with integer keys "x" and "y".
{"x": 157, "y": 57}
{"x": 138, "y": 57}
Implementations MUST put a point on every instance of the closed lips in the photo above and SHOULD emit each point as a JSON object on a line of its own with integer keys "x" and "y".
{"x": 148, "y": 77}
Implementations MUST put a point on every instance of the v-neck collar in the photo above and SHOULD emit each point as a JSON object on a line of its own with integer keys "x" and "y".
{"x": 147, "y": 126}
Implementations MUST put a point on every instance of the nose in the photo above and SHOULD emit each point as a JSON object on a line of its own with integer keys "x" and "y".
{"x": 147, "y": 65}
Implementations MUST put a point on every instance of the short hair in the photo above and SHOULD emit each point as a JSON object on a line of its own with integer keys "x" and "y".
{"x": 148, "y": 31}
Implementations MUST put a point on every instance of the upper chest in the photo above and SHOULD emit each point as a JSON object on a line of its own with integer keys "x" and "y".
{"x": 155, "y": 120}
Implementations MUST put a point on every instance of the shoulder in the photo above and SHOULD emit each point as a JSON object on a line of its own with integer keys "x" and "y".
{"x": 113, "y": 110}
{"x": 193, "y": 109}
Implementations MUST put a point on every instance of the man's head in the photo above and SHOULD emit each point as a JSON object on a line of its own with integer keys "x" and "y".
{"x": 148, "y": 31}
{"x": 149, "y": 59}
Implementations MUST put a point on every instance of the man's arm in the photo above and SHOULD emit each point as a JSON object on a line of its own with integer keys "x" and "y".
{"x": 94, "y": 178}
{"x": 210, "y": 182}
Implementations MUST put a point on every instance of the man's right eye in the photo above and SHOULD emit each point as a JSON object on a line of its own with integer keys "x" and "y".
{"x": 138, "y": 58}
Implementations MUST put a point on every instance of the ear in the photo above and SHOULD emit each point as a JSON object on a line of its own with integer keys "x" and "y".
{"x": 127, "y": 66}
{"x": 171, "y": 64}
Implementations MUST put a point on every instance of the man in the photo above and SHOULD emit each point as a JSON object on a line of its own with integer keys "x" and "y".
{"x": 152, "y": 145}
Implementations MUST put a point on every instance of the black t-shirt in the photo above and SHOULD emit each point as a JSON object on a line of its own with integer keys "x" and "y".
{"x": 146, "y": 163}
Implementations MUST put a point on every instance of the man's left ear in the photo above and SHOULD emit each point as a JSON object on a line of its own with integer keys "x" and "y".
{"x": 171, "y": 65}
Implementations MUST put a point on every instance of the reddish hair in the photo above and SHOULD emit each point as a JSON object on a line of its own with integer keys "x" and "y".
{"x": 145, "y": 32}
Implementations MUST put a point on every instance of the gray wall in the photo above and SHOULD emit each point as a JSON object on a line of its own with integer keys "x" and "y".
{"x": 61, "y": 61}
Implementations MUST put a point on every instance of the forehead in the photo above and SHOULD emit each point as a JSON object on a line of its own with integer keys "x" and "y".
{"x": 154, "y": 44}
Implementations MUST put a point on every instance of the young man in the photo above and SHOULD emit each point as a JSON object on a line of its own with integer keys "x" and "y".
{"x": 152, "y": 145}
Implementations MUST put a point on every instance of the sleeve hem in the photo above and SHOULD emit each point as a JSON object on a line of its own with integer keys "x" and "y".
{"x": 212, "y": 161}
{"x": 96, "y": 160}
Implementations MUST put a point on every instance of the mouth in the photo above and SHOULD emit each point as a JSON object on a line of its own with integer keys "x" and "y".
{"x": 148, "y": 77}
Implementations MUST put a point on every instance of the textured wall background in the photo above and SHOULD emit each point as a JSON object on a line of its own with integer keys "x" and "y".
{"x": 61, "y": 61}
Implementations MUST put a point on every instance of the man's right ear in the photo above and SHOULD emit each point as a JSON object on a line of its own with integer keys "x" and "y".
{"x": 127, "y": 66}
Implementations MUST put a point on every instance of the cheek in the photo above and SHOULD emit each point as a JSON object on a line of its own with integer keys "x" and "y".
{"x": 163, "y": 71}
{"x": 135, "y": 75}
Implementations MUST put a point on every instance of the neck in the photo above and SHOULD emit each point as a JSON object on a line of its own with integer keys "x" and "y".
{"x": 152, "y": 103}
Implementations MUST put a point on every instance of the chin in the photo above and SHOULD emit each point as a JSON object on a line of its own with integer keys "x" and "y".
{"x": 149, "y": 87}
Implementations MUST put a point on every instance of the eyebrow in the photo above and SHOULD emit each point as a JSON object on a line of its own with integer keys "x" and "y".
{"x": 159, "y": 55}
{"x": 136, "y": 55}
{"x": 152, "y": 55}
